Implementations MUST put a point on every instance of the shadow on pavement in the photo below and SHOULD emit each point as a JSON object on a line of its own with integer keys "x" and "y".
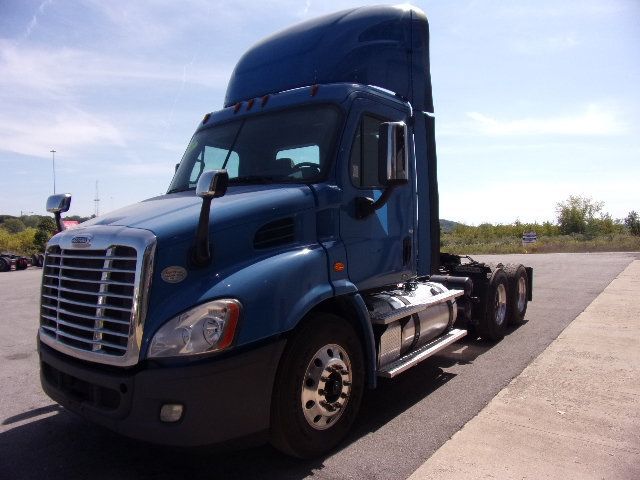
{"x": 62, "y": 445}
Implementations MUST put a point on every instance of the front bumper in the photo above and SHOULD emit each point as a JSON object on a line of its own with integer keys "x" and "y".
{"x": 224, "y": 399}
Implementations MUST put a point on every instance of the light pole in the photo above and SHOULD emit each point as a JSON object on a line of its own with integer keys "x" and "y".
{"x": 53, "y": 155}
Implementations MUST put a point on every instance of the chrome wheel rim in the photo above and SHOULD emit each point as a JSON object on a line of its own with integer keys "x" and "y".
{"x": 501, "y": 304}
{"x": 522, "y": 293}
{"x": 326, "y": 387}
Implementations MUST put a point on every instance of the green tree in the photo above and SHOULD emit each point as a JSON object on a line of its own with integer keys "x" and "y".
{"x": 632, "y": 222}
{"x": 576, "y": 213}
{"x": 13, "y": 225}
{"x": 46, "y": 229}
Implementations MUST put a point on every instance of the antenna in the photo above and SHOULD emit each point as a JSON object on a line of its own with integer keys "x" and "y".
{"x": 96, "y": 201}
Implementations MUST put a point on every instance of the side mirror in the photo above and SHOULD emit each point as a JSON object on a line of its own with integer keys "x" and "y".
{"x": 212, "y": 184}
{"x": 58, "y": 204}
{"x": 393, "y": 153}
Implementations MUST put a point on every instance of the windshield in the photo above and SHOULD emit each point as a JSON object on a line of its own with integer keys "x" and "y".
{"x": 288, "y": 146}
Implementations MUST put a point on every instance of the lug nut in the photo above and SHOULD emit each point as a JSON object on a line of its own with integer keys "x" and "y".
{"x": 346, "y": 384}
{"x": 343, "y": 395}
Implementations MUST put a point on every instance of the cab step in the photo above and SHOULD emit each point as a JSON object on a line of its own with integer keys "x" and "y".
{"x": 413, "y": 358}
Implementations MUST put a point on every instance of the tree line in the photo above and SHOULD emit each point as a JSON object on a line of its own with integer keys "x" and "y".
{"x": 28, "y": 234}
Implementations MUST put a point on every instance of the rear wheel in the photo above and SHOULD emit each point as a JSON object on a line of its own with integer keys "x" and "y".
{"x": 4, "y": 265}
{"x": 517, "y": 293}
{"x": 318, "y": 387}
{"x": 22, "y": 263}
{"x": 493, "y": 324}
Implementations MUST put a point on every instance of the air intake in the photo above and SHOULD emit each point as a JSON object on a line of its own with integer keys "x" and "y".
{"x": 274, "y": 234}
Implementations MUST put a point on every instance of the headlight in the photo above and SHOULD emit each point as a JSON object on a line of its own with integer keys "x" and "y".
{"x": 206, "y": 328}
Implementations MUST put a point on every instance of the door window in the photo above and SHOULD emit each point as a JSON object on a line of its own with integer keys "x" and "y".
{"x": 364, "y": 153}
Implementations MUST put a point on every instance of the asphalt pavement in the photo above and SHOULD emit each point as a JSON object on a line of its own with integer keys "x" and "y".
{"x": 401, "y": 424}
{"x": 572, "y": 413}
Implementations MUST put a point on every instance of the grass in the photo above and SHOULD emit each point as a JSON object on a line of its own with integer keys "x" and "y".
{"x": 452, "y": 243}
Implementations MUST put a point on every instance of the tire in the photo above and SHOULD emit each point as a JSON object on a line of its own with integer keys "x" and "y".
{"x": 518, "y": 283}
{"x": 318, "y": 387}
{"x": 22, "y": 263}
{"x": 4, "y": 265}
{"x": 40, "y": 260}
{"x": 492, "y": 326}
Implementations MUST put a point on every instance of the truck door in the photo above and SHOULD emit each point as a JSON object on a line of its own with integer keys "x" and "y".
{"x": 381, "y": 247}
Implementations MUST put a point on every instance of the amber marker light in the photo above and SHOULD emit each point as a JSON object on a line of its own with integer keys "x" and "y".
{"x": 250, "y": 104}
{"x": 236, "y": 107}
{"x": 314, "y": 90}
{"x": 338, "y": 267}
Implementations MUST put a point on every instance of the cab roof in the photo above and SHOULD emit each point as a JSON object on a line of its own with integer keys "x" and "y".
{"x": 383, "y": 46}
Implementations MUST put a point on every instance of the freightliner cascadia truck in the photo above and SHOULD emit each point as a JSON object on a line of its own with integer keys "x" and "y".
{"x": 293, "y": 262}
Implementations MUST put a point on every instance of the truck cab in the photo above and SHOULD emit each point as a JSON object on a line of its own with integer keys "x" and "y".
{"x": 292, "y": 262}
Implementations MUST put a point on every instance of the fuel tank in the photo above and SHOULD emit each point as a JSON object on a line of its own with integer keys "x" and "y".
{"x": 408, "y": 318}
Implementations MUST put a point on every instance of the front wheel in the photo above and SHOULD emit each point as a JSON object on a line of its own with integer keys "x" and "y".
{"x": 318, "y": 387}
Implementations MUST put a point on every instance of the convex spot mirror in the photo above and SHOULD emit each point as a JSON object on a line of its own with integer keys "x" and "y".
{"x": 59, "y": 203}
{"x": 212, "y": 184}
{"x": 393, "y": 153}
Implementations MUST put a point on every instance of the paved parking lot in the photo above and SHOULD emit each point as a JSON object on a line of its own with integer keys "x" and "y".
{"x": 401, "y": 424}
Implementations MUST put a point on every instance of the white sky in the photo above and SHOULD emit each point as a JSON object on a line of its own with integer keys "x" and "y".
{"x": 535, "y": 100}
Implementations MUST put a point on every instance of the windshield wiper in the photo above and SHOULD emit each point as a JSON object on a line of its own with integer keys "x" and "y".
{"x": 252, "y": 179}
{"x": 180, "y": 189}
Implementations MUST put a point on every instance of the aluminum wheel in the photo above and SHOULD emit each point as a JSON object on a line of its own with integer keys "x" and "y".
{"x": 326, "y": 387}
{"x": 501, "y": 304}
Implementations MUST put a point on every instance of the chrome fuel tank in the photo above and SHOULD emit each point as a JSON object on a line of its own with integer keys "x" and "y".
{"x": 407, "y": 319}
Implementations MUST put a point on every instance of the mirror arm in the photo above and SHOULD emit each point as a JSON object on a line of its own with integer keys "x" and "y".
{"x": 201, "y": 255}
{"x": 59, "y": 224}
{"x": 365, "y": 206}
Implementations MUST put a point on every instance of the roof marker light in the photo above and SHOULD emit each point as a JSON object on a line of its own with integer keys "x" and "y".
{"x": 314, "y": 89}
{"x": 206, "y": 118}
{"x": 264, "y": 100}
{"x": 250, "y": 104}
{"x": 236, "y": 107}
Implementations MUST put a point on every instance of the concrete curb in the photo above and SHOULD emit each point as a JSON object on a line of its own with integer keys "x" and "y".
{"x": 572, "y": 413}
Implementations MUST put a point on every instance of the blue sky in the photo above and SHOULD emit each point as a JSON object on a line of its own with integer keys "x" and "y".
{"x": 535, "y": 100}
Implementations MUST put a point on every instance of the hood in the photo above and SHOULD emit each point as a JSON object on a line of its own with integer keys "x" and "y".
{"x": 176, "y": 215}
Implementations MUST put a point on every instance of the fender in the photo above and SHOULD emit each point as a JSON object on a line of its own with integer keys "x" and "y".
{"x": 369, "y": 347}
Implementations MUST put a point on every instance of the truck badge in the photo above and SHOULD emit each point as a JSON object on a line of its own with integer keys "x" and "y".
{"x": 174, "y": 274}
{"x": 82, "y": 241}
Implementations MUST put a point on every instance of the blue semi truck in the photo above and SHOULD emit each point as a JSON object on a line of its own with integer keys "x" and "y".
{"x": 294, "y": 260}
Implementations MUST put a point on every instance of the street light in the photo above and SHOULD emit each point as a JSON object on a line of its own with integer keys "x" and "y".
{"x": 53, "y": 154}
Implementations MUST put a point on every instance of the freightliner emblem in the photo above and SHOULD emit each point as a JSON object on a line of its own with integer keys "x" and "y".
{"x": 82, "y": 241}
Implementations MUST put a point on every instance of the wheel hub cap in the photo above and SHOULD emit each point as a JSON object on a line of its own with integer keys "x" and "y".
{"x": 326, "y": 387}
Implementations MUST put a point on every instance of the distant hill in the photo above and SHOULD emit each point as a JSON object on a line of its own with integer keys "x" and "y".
{"x": 448, "y": 226}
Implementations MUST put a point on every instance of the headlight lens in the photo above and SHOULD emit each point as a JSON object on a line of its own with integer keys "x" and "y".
{"x": 206, "y": 328}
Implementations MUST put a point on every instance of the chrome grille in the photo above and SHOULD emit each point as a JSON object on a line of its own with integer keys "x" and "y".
{"x": 88, "y": 298}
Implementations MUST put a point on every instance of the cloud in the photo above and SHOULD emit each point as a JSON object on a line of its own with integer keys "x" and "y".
{"x": 67, "y": 130}
{"x": 593, "y": 121}
{"x": 59, "y": 71}
{"x": 34, "y": 20}
{"x": 544, "y": 45}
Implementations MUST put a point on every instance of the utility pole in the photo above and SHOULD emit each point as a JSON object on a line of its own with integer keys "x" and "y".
{"x": 97, "y": 201}
{"x": 53, "y": 155}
